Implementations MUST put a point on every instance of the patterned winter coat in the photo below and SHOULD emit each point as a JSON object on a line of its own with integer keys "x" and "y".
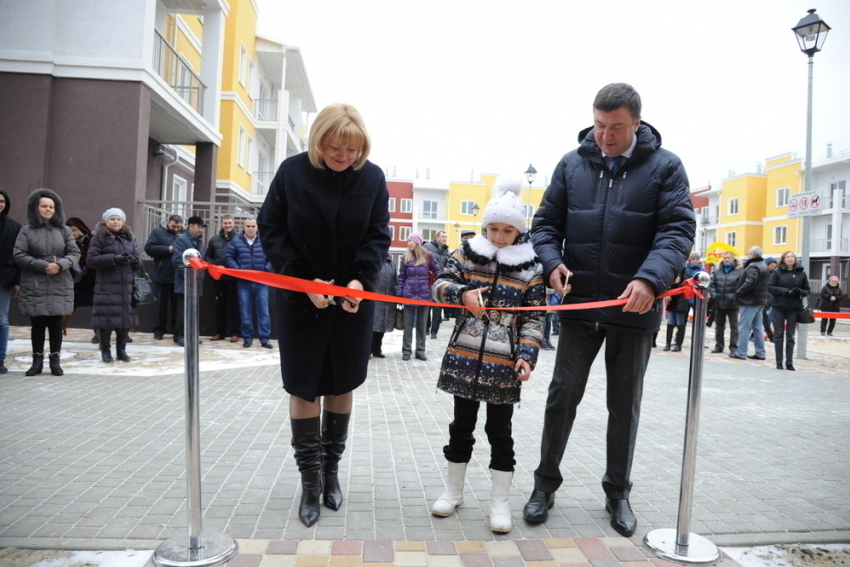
{"x": 113, "y": 289}
{"x": 482, "y": 352}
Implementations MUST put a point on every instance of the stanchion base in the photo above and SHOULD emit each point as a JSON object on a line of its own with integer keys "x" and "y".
{"x": 699, "y": 550}
{"x": 217, "y": 548}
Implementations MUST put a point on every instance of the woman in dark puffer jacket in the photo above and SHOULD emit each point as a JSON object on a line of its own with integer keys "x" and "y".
{"x": 114, "y": 254}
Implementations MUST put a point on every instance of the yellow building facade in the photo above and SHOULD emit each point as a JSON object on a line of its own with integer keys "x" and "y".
{"x": 784, "y": 178}
{"x": 741, "y": 211}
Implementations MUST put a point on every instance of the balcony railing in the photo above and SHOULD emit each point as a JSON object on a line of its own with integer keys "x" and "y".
{"x": 175, "y": 71}
{"x": 265, "y": 109}
{"x": 262, "y": 180}
{"x": 826, "y": 245}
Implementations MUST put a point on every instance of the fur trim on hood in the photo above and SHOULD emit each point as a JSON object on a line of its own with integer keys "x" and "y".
{"x": 108, "y": 237}
{"x": 519, "y": 256}
{"x": 34, "y": 220}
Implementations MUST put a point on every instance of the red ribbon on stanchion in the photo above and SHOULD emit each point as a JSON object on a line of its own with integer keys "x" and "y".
{"x": 688, "y": 289}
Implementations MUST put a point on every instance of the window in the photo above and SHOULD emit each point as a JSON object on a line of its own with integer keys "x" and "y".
{"x": 733, "y": 206}
{"x": 180, "y": 192}
{"x": 829, "y": 237}
{"x": 780, "y": 234}
{"x": 403, "y": 232}
{"x": 407, "y": 205}
{"x": 466, "y": 207}
{"x": 392, "y": 232}
{"x": 240, "y": 147}
{"x": 429, "y": 234}
{"x": 782, "y": 197}
{"x": 391, "y": 205}
{"x": 429, "y": 209}
{"x": 249, "y": 78}
{"x": 834, "y": 198}
{"x": 732, "y": 239}
{"x": 528, "y": 211}
{"x": 243, "y": 65}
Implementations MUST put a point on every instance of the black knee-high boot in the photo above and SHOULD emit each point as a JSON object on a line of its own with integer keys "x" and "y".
{"x": 680, "y": 336}
{"x": 307, "y": 443}
{"x": 105, "y": 336}
{"x": 334, "y": 436}
{"x": 670, "y": 329}
{"x": 121, "y": 339}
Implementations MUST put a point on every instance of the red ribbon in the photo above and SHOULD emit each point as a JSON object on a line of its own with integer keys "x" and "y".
{"x": 688, "y": 289}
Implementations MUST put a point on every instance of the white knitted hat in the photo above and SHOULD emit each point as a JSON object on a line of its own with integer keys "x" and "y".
{"x": 506, "y": 205}
{"x": 114, "y": 212}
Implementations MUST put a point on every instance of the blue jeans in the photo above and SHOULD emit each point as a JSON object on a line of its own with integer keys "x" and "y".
{"x": 626, "y": 356}
{"x": 750, "y": 320}
{"x": 5, "y": 301}
{"x": 254, "y": 295}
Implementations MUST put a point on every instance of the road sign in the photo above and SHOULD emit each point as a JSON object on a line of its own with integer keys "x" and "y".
{"x": 805, "y": 204}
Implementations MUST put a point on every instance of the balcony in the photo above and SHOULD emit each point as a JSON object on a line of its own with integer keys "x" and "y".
{"x": 707, "y": 220}
{"x": 265, "y": 109}
{"x": 826, "y": 245}
{"x": 262, "y": 180}
{"x": 175, "y": 71}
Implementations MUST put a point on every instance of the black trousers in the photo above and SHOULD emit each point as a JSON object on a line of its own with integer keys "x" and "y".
{"x": 626, "y": 356}
{"x": 497, "y": 428}
{"x": 179, "y": 309}
{"x": 226, "y": 306}
{"x": 52, "y": 323}
{"x": 377, "y": 342}
{"x": 784, "y": 329}
{"x": 827, "y": 325}
{"x": 165, "y": 295}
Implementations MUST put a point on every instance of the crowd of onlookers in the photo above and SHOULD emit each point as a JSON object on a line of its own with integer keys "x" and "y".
{"x": 54, "y": 265}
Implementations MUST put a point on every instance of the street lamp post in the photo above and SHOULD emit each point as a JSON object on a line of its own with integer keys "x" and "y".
{"x": 530, "y": 174}
{"x": 811, "y": 33}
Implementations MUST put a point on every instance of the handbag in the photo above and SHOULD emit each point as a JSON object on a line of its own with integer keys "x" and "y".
{"x": 399, "y": 318}
{"x": 143, "y": 288}
{"x": 76, "y": 273}
{"x": 805, "y": 315}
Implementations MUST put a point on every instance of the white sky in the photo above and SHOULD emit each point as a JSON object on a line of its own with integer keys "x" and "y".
{"x": 494, "y": 85}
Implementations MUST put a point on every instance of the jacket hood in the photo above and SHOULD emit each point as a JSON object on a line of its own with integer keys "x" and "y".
{"x": 34, "y": 220}
{"x": 108, "y": 237}
{"x": 648, "y": 140}
{"x": 8, "y": 206}
{"x": 794, "y": 268}
{"x": 519, "y": 256}
{"x": 79, "y": 224}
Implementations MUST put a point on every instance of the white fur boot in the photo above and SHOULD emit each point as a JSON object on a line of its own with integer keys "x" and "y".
{"x": 453, "y": 495}
{"x": 500, "y": 508}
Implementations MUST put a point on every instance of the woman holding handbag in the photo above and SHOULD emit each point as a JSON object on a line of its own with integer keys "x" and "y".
{"x": 414, "y": 282}
{"x": 830, "y": 298}
{"x": 114, "y": 254}
{"x": 788, "y": 286}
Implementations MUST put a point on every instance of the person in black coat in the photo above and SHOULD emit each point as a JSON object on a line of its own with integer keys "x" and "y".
{"x": 226, "y": 293}
{"x": 616, "y": 220}
{"x": 114, "y": 254}
{"x": 724, "y": 283}
{"x": 160, "y": 247}
{"x": 10, "y": 272}
{"x": 325, "y": 218}
{"x": 83, "y": 289}
{"x": 830, "y": 300}
{"x": 788, "y": 286}
{"x": 385, "y": 313}
{"x": 192, "y": 238}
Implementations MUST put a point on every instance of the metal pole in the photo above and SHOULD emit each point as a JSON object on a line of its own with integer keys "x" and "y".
{"x": 680, "y": 545}
{"x": 201, "y": 548}
{"x": 805, "y": 248}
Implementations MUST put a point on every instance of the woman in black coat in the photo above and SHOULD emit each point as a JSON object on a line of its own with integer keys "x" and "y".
{"x": 830, "y": 299}
{"x": 384, "y": 312}
{"x": 325, "y": 219}
{"x": 788, "y": 286}
{"x": 114, "y": 254}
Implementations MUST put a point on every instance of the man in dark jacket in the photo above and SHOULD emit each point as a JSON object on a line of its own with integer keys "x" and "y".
{"x": 752, "y": 297}
{"x": 617, "y": 221}
{"x": 10, "y": 272}
{"x": 724, "y": 284}
{"x": 440, "y": 250}
{"x": 160, "y": 247}
{"x": 246, "y": 253}
{"x": 192, "y": 238}
{"x": 226, "y": 298}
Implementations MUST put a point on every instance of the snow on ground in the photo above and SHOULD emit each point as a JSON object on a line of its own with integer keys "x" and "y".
{"x": 791, "y": 555}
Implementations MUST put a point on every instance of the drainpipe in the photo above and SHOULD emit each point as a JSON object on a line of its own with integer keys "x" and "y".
{"x": 168, "y": 162}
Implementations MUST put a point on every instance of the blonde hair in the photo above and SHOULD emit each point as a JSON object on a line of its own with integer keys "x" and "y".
{"x": 340, "y": 123}
{"x": 418, "y": 252}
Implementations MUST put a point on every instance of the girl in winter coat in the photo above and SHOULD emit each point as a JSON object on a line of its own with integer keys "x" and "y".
{"x": 413, "y": 283}
{"x": 788, "y": 286}
{"x": 490, "y": 353}
{"x": 384, "y": 312}
{"x": 45, "y": 250}
{"x": 830, "y": 298}
{"x": 114, "y": 254}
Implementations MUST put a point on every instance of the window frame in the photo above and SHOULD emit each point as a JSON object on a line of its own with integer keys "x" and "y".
{"x": 733, "y": 204}
{"x": 783, "y": 228}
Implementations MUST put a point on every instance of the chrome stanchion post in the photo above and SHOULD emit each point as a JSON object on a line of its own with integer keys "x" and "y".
{"x": 680, "y": 545}
{"x": 201, "y": 548}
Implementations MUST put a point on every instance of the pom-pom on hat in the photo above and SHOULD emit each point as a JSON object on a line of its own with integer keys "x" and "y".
{"x": 506, "y": 205}
{"x": 114, "y": 212}
{"x": 415, "y": 237}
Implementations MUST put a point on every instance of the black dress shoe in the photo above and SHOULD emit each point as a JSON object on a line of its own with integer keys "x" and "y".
{"x": 421, "y": 357}
{"x": 622, "y": 518}
{"x": 789, "y": 366}
{"x": 248, "y": 343}
{"x": 266, "y": 344}
{"x": 157, "y": 336}
{"x": 717, "y": 349}
{"x": 537, "y": 508}
{"x": 379, "y": 355}
{"x": 754, "y": 357}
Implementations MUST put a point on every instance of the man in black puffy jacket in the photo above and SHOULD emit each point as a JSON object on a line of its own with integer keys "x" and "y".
{"x": 752, "y": 297}
{"x": 617, "y": 220}
{"x": 724, "y": 283}
{"x": 226, "y": 295}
